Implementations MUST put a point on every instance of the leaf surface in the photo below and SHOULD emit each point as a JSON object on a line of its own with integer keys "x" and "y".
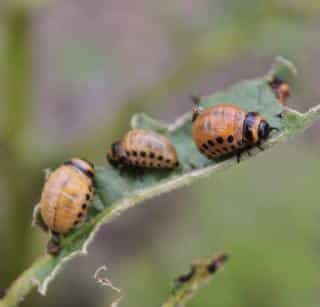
{"x": 116, "y": 193}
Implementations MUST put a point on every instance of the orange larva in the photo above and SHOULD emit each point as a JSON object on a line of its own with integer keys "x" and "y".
{"x": 143, "y": 149}
{"x": 67, "y": 195}
{"x": 228, "y": 129}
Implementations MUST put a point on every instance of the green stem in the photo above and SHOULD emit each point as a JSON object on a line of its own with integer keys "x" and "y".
{"x": 17, "y": 72}
{"x": 187, "y": 285}
{"x": 16, "y": 80}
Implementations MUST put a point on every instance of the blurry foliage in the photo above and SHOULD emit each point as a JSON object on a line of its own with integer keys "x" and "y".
{"x": 278, "y": 227}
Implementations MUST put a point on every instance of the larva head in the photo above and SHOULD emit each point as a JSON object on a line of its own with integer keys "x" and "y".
{"x": 83, "y": 165}
{"x": 256, "y": 128}
{"x": 114, "y": 154}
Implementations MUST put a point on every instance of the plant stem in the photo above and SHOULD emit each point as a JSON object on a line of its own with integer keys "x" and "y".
{"x": 16, "y": 79}
{"x": 187, "y": 285}
{"x": 17, "y": 72}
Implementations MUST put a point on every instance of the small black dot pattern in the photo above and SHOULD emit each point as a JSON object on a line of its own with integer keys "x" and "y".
{"x": 215, "y": 148}
{"x": 85, "y": 205}
{"x": 148, "y": 159}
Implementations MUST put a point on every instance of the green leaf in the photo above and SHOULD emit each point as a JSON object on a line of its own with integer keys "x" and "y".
{"x": 116, "y": 193}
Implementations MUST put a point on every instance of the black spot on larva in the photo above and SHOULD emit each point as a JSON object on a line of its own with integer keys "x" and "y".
{"x": 230, "y": 138}
{"x": 205, "y": 146}
{"x": 225, "y": 149}
{"x": 128, "y": 153}
{"x": 151, "y": 155}
{"x": 142, "y": 154}
{"x": 233, "y": 147}
{"x": 176, "y": 164}
{"x": 134, "y": 153}
{"x": 143, "y": 163}
{"x": 84, "y": 206}
{"x": 75, "y": 222}
{"x": 220, "y": 140}
{"x": 160, "y": 158}
{"x": 151, "y": 164}
{"x": 87, "y": 196}
{"x": 202, "y": 150}
{"x": 240, "y": 143}
{"x": 213, "y": 153}
{"x": 211, "y": 143}
{"x": 218, "y": 150}
{"x": 80, "y": 215}
{"x": 168, "y": 161}
{"x": 159, "y": 165}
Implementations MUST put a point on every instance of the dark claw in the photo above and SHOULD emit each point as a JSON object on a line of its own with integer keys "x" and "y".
{"x": 53, "y": 246}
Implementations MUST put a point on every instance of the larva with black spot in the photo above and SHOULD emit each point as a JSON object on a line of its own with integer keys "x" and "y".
{"x": 66, "y": 197}
{"x": 228, "y": 129}
{"x": 143, "y": 149}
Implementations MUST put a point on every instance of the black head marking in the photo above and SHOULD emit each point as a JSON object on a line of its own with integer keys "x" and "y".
{"x": 82, "y": 169}
{"x": 264, "y": 130}
{"x": 248, "y": 124}
{"x": 114, "y": 155}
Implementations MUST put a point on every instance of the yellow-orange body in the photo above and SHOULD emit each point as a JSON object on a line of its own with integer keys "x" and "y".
{"x": 145, "y": 149}
{"x": 67, "y": 195}
{"x": 221, "y": 130}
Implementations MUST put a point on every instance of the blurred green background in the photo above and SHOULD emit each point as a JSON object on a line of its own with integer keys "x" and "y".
{"x": 74, "y": 72}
